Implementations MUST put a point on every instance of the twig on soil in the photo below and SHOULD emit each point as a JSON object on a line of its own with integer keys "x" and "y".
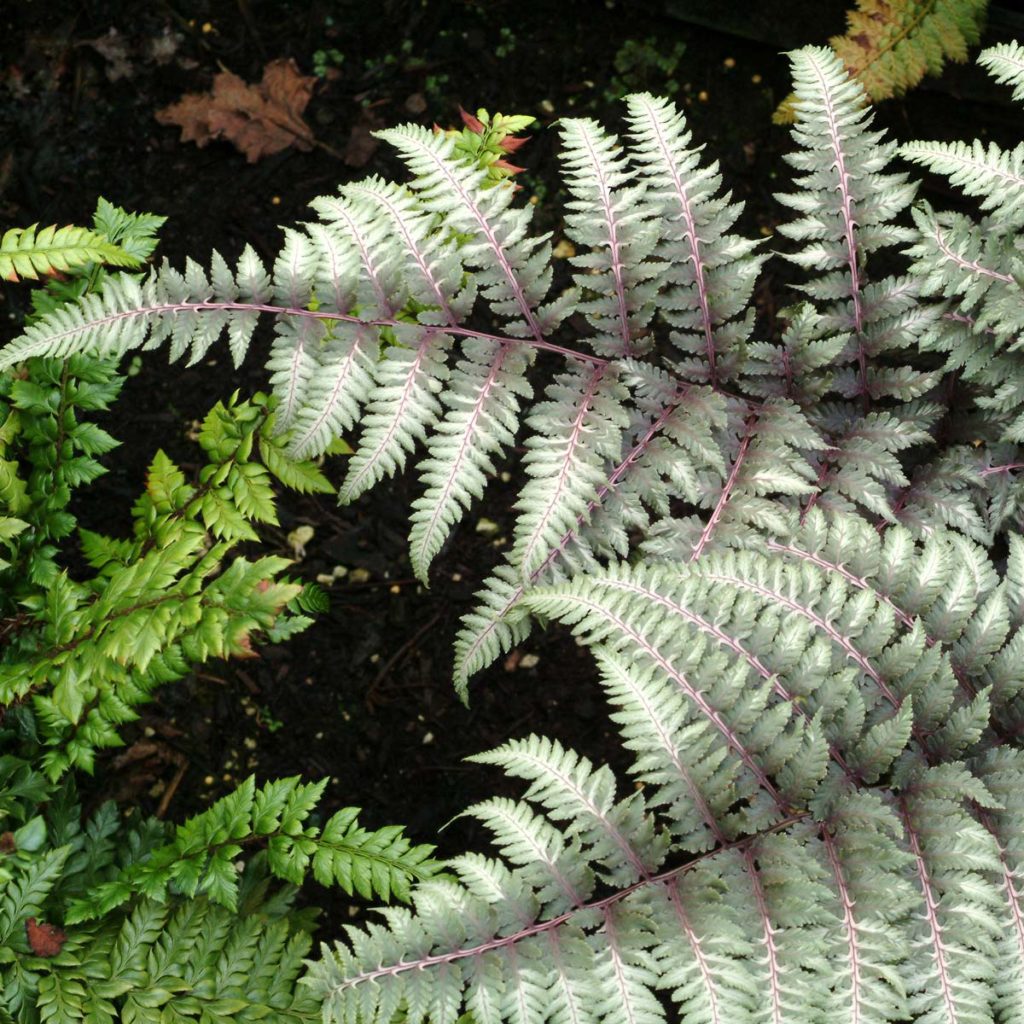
{"x": 172, "y": 788}
{"x": 396, "y": 658}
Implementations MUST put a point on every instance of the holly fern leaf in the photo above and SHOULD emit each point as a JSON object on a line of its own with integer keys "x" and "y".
{"x": 27, "y": 253}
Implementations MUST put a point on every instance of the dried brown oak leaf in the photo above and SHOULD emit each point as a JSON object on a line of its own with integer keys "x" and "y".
{"x": 44, "y": 939}
{"x": 259, "y": 119}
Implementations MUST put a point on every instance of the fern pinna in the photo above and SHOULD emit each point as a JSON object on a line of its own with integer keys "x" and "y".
{"x": 796, "y": 559}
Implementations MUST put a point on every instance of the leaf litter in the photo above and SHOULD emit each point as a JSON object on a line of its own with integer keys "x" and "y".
{"x": 258, "y": 119}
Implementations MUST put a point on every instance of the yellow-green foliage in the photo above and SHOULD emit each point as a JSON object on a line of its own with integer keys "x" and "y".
{"x": 890, "y": 45}
{"x": 173, "y": 595}
{"x": 29, "y": 253}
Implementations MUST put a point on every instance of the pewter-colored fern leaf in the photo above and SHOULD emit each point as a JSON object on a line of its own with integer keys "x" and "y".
{"x": 709, "y": 273}
{"x": 788, "y": 717}
{"x": 974, "y": 267}
{"x": 994, "y": 176}
{"x": 1005, "y": 63}
{"x": 847, "y": 203}
{"x": 608, "y": 216}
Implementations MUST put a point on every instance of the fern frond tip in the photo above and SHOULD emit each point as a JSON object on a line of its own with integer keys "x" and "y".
{"x": 30, "y": 253}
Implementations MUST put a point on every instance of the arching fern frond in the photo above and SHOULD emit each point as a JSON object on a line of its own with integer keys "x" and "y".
{"x": 781, "y": 554}
{"x": 412, "y": 315}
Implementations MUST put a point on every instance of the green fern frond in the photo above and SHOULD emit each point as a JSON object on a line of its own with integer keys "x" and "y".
{"x": 192, "y": 961}
{"x": 28, "y": 253}
{"x": 201, "y": 861}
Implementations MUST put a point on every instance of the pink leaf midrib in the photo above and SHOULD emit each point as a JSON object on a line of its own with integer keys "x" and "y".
{"x": 604, "y": 192}
{"x": 939, "y": 952}
{"x": 574, "y": 444}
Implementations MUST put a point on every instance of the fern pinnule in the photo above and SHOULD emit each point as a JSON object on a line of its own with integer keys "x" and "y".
{"x": 989, "y": 173}
{"x": 512, "y": 268}
{"x": 574, "y": 434}
{"x": 481, "y": 419}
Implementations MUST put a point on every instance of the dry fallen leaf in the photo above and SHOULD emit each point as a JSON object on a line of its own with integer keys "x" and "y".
{"x": 259, "y": 119}
{"x": 44, "y": 939}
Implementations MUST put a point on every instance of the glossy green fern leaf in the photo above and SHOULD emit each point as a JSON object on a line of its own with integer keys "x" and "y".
{"x": 200, "y": 860}
{"x": 114, "y": 917}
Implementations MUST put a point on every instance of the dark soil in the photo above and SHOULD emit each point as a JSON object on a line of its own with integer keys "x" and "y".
{"x": 364, "y": 697}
